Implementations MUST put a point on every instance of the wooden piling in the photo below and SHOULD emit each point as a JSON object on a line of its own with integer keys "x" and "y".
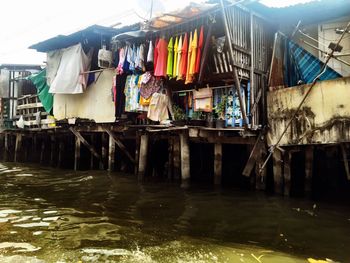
{"x": 77, "y": 154}
{"x": 34, "y": 147}
{"x": 185, "y": 159}
{"x": 53, "y": 149}
{"x": 217, "y": 163}
{"x": 60, "y": 152}
{"x": 170, "y": 157}
{"x": 277, "y": 171}
{"x": 42, "y": 150}
{"x": 6, "y": 144}
{"x": 177, "y": 158}
{"x": 103, "y": 150}
{"x": 92, "y": 140}
{"x": 309, "y": 159}
{"x": 111, "y": 153}
{"x": 287, "y": 172}
{"x": 137, "y": 152}
{"x": 143, "y": 156}
{"x": 18, "y": 147}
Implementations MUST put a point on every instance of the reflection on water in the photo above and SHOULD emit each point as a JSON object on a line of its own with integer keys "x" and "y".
{"x": 49, "y": 215}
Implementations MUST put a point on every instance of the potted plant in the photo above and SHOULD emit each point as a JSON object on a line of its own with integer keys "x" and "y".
{"x": 220, "y": 110}
{"x": 179, "y": 116}
{"x": 197, "y": 119}
{"x": 210, "y": 120}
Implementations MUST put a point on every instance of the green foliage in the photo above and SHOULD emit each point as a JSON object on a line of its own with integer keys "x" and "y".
{"x": 198, "y": 115}
{"x": 178, "y": 113}
{"x": 220, "y": 108}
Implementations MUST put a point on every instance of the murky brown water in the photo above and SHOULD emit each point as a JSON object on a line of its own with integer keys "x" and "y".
{"x": 49, "y": 215}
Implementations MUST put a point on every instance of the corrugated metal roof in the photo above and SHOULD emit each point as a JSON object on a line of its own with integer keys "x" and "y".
{"x": 91, "y": 32}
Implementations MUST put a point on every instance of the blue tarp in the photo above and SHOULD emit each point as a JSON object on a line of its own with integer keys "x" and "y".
{"x": 302, "y": 65}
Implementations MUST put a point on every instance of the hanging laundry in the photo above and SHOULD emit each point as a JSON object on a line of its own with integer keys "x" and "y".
{"x": 189, "y": 54}
{"x": 183, "y": 61}
{"x": 194, "y": 46}
{"x": 170, "y": 58}
{"x": 199, "y": 50}
{"x": 162, "y": 50}
{"x": 139, "y": 60}
{"x": 53, "y": 60}
{"x": 203, "y": 100}
{"x": 149, "y": 85}
{"x": 155, "y": 54}
{"x": 122, "y": 57}
{"x": 68, "y": 79}
{"x": 131, "y": 92}
{"x": 158, "y": 108}
{"x": 150, "y": 55}
{"x": 40, "y": 82}
{"x": 175, "y": 57}
{"x": 179, "y": 54}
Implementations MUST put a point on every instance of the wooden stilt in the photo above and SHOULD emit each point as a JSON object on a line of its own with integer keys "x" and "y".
{"x": 287, "y": 172}
{"x": 60, "y": 152}
{"x": 143, "y": 156}
{"x": 91, "y": 154}
{"x": 120, "y": 145}
{"x": 185, "y": 159}
{"x": 77, "y": 154}
{"x": 177, "y": 158}
{"x": 170, "y": 157}
{"x": 345, "y": 160}
{"x": 53, "y": 150}
{"x": 18, "y": 147}
{"x": 34, "y": 148}
{"x": 277, "y": 171}
{"x": 260, "y": 181}
{"x": 104, "y": 150}
{"x": 309, "y": 159}
{"x": 111, "y": 154}
{"x": 6, "y": 150}
{"x": 137, "y": 152}
{"x": 217, "y": 163}
{"x": 42, "y": 150}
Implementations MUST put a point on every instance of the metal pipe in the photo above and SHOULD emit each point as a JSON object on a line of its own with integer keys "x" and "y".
{"x": 235, "y": 74}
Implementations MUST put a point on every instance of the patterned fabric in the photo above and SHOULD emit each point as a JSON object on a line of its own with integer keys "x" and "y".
{"x": 152, "y": 86}
{"x": 307, "y": 65}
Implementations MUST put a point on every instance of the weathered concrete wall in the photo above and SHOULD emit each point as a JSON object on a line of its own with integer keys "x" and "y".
{"x": 324, "y": 116}
{"x": 95, "y": 103}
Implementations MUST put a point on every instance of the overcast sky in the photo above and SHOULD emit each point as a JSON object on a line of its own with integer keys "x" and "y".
{"x": 24, "y": 22}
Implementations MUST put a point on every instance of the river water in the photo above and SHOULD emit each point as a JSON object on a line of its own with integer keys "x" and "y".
{"x": 50, "y": 215}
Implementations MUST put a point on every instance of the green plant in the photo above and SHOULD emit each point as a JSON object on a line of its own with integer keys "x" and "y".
{"x": 220, "y": 107}
{"x": 198, "y": 115}
{"x": 178, "y": 113}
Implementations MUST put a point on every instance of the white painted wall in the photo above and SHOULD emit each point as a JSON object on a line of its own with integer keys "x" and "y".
{"x": 95, "y": 103}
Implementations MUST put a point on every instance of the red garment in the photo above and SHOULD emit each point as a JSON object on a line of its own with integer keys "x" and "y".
{"x": 200, "y": 46}
{"x": 183, "y": 62}
{"x": 155, "y": 54}
{"x": 161, "y": 64}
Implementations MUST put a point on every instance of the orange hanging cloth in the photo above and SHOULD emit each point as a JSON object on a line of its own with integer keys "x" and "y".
{"x": 199, "y": 51}
{"x": 183, "y": 61}
{"x": 189, "y": 55}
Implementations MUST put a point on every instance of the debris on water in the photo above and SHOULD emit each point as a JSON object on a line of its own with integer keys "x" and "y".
{"x": 19, "y": 247}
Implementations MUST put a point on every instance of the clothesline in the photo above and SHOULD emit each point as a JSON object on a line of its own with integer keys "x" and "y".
{"x": 95, "y": 71}
{"x": 191, "y": 90}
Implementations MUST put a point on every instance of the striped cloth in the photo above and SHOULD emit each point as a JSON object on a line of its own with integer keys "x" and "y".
{"x": 307, "y": 65}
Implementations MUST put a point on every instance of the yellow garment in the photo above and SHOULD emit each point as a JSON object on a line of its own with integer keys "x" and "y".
{"x": 179, "y": 56}
{"x": 188, "y": 77}
{"x": 144, "y": 102}
{"x": 175, "y": 57}
{"x": 193, "y": 47}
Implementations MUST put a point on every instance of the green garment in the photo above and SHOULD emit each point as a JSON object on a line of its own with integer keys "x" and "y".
{"x": 169, "y": 70}
{"x": 46, "y": 98}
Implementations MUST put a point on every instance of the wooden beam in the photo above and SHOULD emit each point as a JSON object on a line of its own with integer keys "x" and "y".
{"x": 103, "y": 150}
{"x": 120, "y": 145}
{"x": 60, "y": 152}
{"x": 277, "y": 171}
{"x": 345, "y": 160}
{"x": 170, "y": 157}
{"x": 6, "y": 146}
{"x": 287, "y": 172}
{"x": 143, "y": 156}
{"x": 254, "y": 154}
{"x": 77, "y": 153}
{"x": 111, "y": 154}
{"x": 53, "y": 149}
{"x": 217, "y": 163}
{"x": 42, "y": 150}
{"x": 137, "y": 152}
{"x": 177, "y": 158}
{"x": 92, "y": 136}
{"x": 185, "y": 159}
{"x": 309, "y": 160}
{"x": 18, "y": 147}
{"x": 83, "y": 141}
